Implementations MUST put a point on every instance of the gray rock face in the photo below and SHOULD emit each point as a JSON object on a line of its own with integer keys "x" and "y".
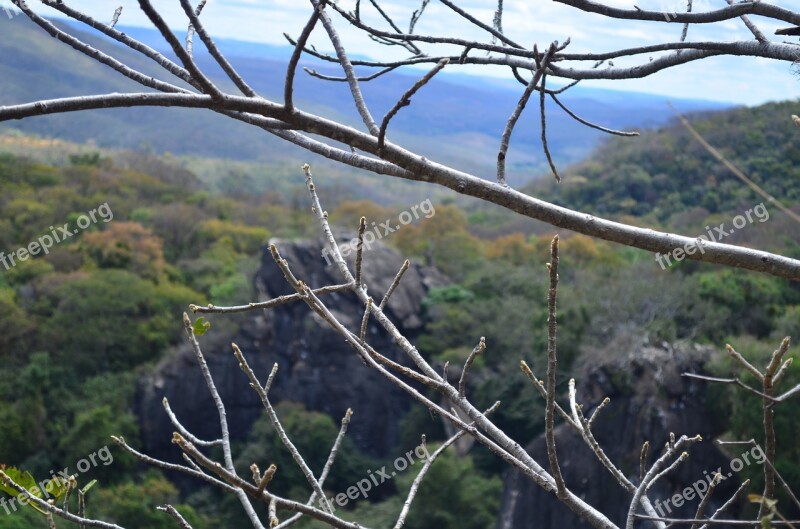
{"x": 649, "y": 399}
{"x": 316, "y": 366}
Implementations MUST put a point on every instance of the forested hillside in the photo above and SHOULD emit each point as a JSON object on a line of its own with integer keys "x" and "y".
{"x": 82, "y": 323}
{"x": 663, "y": 173}
{"x": 460, "y": 132}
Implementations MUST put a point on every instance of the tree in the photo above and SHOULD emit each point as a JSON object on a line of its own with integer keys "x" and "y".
{"x": 384, "y": 157}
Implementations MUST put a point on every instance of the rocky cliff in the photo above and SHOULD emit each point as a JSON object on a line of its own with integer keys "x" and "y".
{"x": 316, "y": 366}
{"x": 649, "y": 399}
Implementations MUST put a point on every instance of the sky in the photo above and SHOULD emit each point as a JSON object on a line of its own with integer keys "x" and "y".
{"x": 742, "y": 80}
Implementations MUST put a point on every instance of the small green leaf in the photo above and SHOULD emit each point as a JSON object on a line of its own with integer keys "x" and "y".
{"x": 88, "y": 486}
{"x": 768, "y": 503}
{"x": 201, "y": 326}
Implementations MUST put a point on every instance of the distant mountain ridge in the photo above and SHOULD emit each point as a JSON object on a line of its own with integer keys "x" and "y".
{"x": 457, "y": 119}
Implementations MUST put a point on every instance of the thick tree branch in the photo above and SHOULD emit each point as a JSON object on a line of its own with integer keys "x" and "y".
{"x": 754, "y": 7}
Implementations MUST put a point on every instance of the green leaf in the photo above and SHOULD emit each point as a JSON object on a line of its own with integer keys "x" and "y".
{"x": 25, "y": 480}
{"x": 89, "y": 486}
{"x": 769, "y": 503}
{"x": 201, "y": 326}
{"x": 57, "y": 487}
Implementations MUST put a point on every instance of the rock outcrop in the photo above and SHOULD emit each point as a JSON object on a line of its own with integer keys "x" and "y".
{"x": 316, "y": 366}
{"x": 649, "y": 399}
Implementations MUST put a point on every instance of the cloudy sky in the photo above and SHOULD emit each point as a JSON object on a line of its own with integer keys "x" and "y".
{"x": 741, "y": 80}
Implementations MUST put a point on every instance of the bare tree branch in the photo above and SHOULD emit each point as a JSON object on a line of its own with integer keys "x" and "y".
{"x": 358, "y": 98}
{"x": 552, "y": 364}
{"x": 462, "y": 382}
{"x": 223, "y": 419}
{"x": 749, "y": 7}
{"x": 276, "y": 423}
{"x": 288, "y": 91}
{"x": 175, "y": 515}
{"x": 194, "y": 18}
{"x": 512, "y": 120}
{"x": 405, "y": 100}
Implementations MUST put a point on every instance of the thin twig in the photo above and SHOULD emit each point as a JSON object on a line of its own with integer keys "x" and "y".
{"x": 237, "y": 483}
{"x": 497, "y": 21}
{"x": 543, "y": 120}
{"x": 681, "y": 458}
{"x": 265, "y": 305}
{"x": 462, "y": 382}
{"x": 355, "y": 91}
{"x": 273, "y": 513}
{"x": 596, "y": 412}
{"x": 643, "y": 459}
{"x": 785, "y": 396}
{"x": 188, "y": 63}
{"x": 410, "y": 46}
{"x": 782, "y": 371}
{"x": 288, "y": 87}
{"x": 230, "y": 71}
{"x": 115, "y": 17}
{"x": 539, "y": 386}
{"x": 512, "y": 120}
{"x": 655, "y": 473}
{"x": 362, "y": 227}
{"x": 339, "y": 79}
{"x": 701, "y": 509}
{"x": 412, "y": 492}
{"x": 552, "y": 363}
{"x": 271, "y": 377}
{"x": 405, "y": 100}
{"x": 685, "y": 30}
{"x": 744, "y": 363}
{"x": 180, "y": 520}
{"x": 416, "y": 15}
{"x": 328, "y": 464}
{"x": 394, "y": 284}
{"x": 190, "y": 32}
{"x": 707, "y": 522}
{"x": 365, "y": 320}
{"x": 153, "y": 462}
{"x": 266, "y": 478}
{"x": 495, "y": 33}
{"x": 589, "y": 123}
{"x": 769, "y": 424}
{"x": 760, "y": 37}
{"x": 186, "y": 433}
{"x": 223, "y": 419}
{"x": 276, "y": 423}
{"x": 725, "y": 506}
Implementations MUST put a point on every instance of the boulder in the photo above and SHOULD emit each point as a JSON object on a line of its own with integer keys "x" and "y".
{"x": 316, "y": 366}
